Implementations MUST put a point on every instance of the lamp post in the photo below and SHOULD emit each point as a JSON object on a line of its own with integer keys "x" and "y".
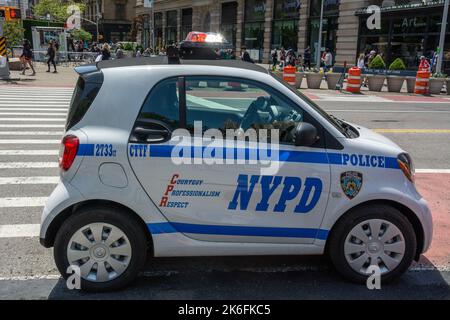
{"x": 319, "y": 40}
{"x": 442, "y": 37}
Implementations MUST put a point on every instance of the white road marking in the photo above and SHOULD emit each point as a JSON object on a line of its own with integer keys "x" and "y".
{"x": 24, "y": 125}
{"x": 386, "y": 111}
{"x": 28, "y": 165}
{"x": 34, "y": 119}
{"x": 432, "y": 170}
{"x": 33, "y": 109}
{"x": 19, "y": 230}
{"x": 16, "y": 202}
{"x": 28, "y": 141}
{"x": 28, "y": 152}
{"x": 31, "y": 133}
{"x": 37, "y": 104}
{"x": 29, "y": 180}
{"x": 32, "y": 113}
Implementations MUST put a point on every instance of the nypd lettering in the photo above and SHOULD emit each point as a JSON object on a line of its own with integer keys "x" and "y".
{"x": 290, "y": 191}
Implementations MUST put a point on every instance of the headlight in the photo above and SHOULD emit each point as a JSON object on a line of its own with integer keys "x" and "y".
{"x": 406, "y": 165}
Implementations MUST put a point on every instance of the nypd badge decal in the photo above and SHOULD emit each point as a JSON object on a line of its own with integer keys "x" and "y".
{"x": 351, "y": 183}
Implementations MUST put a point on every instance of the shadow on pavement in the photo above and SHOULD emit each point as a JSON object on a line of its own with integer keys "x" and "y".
{"x": 262, "y": 277}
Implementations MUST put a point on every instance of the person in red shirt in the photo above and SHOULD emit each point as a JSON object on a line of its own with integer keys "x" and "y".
{"x": 424, "y": 64}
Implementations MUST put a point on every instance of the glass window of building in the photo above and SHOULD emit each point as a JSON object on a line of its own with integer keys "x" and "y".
{"x": 158, "y": 29}
{"x": 285, "y": 24}
{"x": 186, "y": 22}
{"x": 228, "y": 21}
{"x": 329, "y": 26}
{"x": 121, "y": 11}
{"x": 253, "y": 33}
{"x": 171, "y": 27}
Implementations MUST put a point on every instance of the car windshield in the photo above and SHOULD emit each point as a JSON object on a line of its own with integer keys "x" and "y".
{"x": 343, "y": 127}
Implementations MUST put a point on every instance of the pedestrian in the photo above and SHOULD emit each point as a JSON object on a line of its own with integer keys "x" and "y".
{"x": 424, "y": 64}
{"x": 106, "y": 53}
{"x": 307, "y": 58}
{"x": 274, "y": 55}
{"x": 51, "y": 52}
{"x": 119, "y": 52}
{"x": 361, "y": 61}
{"x": 327, "y": 60}
{"x": 245, "y": 56}
{"x": 27, "y": 56}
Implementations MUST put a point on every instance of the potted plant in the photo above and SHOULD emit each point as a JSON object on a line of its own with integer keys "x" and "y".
{"x": 447, "y": 85}
{"x": 436, "y": 83}
{"x": 298, "y": 78}
{"x": 395, "y": 82}
{"x": 376, "y": 81}
{"x": 410, "y": 84}
{"x": 332, "y": 79}
{"x": 314, "y": 79}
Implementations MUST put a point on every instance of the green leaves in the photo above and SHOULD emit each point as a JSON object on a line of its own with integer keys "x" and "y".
{"x": 13, "y": 32}
{"x": 377, "y": 63}
{"x": 80, "y": 34}
{"x": 56, "y": 8}
{"x": 397, "y": 64}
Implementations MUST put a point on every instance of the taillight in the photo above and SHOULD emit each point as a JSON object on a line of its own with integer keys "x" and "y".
{"x": 70, "y": 145}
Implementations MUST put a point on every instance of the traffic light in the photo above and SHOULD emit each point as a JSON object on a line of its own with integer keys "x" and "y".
{"x": 14, "y": 13}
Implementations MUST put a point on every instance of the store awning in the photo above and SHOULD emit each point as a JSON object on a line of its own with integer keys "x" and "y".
{"x": 405, "y": 7}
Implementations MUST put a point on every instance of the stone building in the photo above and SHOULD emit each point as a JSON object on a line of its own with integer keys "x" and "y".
{"x": 115, "y": 19}
{"x": 408, "y": 27}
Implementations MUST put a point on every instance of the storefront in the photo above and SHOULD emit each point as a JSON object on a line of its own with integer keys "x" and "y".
{"x": 158, "y": 29}
{"x": 329, "y": 26}
{"x": 253, "y": 31}
{"x": 407, "y": 32}
{"x": 171, "y": 27}
{"x": 228, "y": 21}
{"x": 285, "y": 24}
{"x": 186, "y": 22}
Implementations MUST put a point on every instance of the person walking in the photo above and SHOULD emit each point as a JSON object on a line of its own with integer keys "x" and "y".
{"x": 51, "y": 53}
{"x": 27, "y": 56}
{"x": 274, "y": 55}
{"x": 307, "y": 58}
{"x": 327, "y": 60}
{"x": 106, "y": 52}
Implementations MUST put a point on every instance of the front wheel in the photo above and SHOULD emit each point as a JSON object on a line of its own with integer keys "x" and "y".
{"x": 106, "y": 244}
{"x": 372, "y": 237}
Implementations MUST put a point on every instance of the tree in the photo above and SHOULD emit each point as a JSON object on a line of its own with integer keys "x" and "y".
{"x": 13, "y": 32}
{"x": 80, "y": 34}
{"x": 56, "y": 8}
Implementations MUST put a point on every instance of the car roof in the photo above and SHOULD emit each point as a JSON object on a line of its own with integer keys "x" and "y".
{"x": 163, "y": 60}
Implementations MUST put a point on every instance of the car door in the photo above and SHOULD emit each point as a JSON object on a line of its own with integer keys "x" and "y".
{"x": 217, "y": 188}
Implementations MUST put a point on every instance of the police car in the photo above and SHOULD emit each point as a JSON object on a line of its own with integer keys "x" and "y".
{"x": 145, "y": 171}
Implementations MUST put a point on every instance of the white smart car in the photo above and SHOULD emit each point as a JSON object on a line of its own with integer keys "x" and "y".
{"x": 148, "y": 169}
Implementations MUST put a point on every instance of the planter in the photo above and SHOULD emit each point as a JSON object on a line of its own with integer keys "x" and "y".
{"x": 395, "y": 83}
{"x": 298, "y": 79}
{"x": 332, "y": 79}
{"x": 447, "y": 85}
{"x": 410, "y": 84}
{"x": 435, "y": 85}
{"x": 314, "y": 79}
{"x": 375, "y": 82}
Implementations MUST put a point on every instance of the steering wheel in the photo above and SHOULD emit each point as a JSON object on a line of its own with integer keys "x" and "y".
{"x": 252, "y": 116}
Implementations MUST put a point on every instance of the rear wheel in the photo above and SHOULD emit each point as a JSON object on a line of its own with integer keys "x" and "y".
{"x": 376, "y": 235}
{"x": 106, "y": 243}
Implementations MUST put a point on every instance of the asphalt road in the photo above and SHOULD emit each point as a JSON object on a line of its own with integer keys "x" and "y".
{"x": 27, "y": 270}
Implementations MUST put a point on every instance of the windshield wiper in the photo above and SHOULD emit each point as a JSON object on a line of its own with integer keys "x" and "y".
{"x": 348, "y": 130}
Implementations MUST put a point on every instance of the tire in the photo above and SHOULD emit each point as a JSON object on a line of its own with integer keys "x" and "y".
{"x": 343, "y": 233}
{"x": 116, "y": 220}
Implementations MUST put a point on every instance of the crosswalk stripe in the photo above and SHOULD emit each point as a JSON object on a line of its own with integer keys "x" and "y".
{"x": 33, "y": 119}
{"x": 17, "y": 202}
{"x": 29, "y": 152}
{"x": 27, "y": 165}
{"x": 19, "y": 230}
{"x": 32, "y": 113}
{"x": 29, "y": 180}
{"x": 432, "y": 170}
{"x": 33, "y": 109}
{"x": 24, "y": 125}
{"x": 28, "y": 141}
{"x": 31, "y": 133}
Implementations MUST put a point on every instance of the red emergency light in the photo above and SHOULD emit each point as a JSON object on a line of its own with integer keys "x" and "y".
{"x": 196, "y": 36}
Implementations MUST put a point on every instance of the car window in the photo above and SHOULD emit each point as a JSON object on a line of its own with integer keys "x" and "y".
{"x": 230, "y": 103}
{"x": 162, "y": 103}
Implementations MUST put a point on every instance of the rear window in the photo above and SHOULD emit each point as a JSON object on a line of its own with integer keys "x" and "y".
{"x": 87, "y": 88}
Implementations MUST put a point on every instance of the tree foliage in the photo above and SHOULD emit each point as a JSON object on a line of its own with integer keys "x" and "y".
{"x": 13, "y": 32}
{"x": 397, "y": 64}
{"x": 377, "y": 63}
{"x": 80, "y": 34}
{"x": 56, "y": 8}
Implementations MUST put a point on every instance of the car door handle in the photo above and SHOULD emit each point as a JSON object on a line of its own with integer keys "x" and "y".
{"x": 153, "y": 132}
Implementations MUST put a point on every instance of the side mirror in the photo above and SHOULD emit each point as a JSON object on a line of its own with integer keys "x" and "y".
{"x": 305, "y": 134}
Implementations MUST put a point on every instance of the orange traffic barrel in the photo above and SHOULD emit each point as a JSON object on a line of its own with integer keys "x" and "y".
{"x": 354, "y": 80}
{"x": 422, "y": 79}
{"x": 289, "y": 75}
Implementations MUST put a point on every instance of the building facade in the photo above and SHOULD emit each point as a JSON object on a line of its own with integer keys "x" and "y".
{"x": 115, "y": 19}
{"x": 409, "y": 28}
